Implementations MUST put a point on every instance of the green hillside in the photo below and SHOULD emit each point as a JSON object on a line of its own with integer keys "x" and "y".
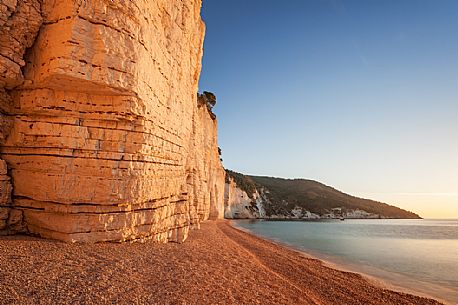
{"x": 285, "y": 194}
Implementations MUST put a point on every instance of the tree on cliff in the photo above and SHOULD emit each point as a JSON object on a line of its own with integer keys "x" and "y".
{"x": 209, "y": 100}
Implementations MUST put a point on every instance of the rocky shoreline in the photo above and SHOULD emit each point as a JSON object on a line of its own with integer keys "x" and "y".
{"x": 239, "y": 268}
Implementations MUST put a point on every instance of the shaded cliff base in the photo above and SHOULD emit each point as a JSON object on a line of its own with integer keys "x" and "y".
{"x": 239, "y": 268}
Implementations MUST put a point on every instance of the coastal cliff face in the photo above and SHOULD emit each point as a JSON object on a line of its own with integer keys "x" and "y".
{"x": 102, "y": 133}
{"x": 9, "y": 219}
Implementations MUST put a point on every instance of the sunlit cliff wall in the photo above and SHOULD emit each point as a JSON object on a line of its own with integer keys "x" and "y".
{"x": 102, "y": 133}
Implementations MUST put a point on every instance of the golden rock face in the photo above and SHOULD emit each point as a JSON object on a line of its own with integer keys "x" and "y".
{"x": 104, "y": 138}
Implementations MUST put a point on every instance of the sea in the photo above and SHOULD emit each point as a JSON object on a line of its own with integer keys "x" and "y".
{"x": 416, "y": 256}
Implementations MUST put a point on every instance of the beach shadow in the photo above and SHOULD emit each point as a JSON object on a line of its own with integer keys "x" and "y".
{"x": 24, "y": 237}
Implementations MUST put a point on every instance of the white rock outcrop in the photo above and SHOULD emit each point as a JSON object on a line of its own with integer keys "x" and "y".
{"x": 239, "y": 205}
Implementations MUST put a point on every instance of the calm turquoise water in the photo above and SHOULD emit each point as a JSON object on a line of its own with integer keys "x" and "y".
{"x": 420, "y": 255}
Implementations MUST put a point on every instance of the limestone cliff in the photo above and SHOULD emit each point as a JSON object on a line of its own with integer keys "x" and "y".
{"x": 239, "y": 205}
{"x": 9, "y": 219}
{"x": 100, "y": 126}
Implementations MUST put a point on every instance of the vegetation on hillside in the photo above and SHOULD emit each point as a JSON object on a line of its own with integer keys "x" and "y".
{"x": 313, "y": 196}
{"x": 243, "y": 182}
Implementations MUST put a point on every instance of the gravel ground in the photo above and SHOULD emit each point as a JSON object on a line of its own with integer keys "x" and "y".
{"x": 216, "y": 265}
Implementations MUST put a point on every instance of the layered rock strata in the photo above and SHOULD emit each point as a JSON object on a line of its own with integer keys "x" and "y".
{"x": 10, "y": 220}
{"x": 106, "y": 140}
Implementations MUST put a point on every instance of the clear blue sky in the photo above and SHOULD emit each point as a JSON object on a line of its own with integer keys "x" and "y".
{"x": 360, "y": 95}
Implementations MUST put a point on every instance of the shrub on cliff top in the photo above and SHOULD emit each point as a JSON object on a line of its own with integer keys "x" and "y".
{"x": 209, "y": 100}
